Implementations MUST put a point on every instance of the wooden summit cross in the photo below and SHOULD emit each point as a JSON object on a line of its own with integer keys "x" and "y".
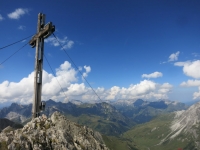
{"x": 43, "y": 31}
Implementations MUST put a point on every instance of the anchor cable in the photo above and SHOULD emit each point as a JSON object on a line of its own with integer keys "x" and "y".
{"x": 54, "y": 75}
{"x": 13, "y": 54}
{"x": 15, "y": 42}
{"x": 76, "y": 67}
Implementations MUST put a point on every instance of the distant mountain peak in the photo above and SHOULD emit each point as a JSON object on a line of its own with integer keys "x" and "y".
{"x": 14, "y": 104}
{"x": 50, "y": 101}
{"x": 138, "y": 102}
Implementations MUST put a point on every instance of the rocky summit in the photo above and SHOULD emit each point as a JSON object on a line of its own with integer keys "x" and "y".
{"x": 54, "y": 133}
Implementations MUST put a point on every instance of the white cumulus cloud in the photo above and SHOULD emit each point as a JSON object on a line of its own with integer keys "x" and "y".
{"x": 22, "y": 91}
{"x": 152, "y": 75}
{"x": 17, "y": 91}
{"x": 65, "y": 42}
{"x": 174, "y": 56}
{"x": 190, "y": 83}
{"x": 18, "y": 13}
{"x": 196, "y": 95}
{"x": 190, "y": 68}
{"x": 87, "y": 70}
{"x": 65, "y": 76}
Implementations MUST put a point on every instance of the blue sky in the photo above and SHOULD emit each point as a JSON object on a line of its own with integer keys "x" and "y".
{"x": 126, "y": 49}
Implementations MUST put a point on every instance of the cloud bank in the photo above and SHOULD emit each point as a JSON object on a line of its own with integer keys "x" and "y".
{"x": 74, "y": 88}
{"x": 146, "y": 89}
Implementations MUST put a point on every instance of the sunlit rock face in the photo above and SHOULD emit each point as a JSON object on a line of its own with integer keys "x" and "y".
{"x": 185, "y": 126}
{"x": 54, "y": 133}
{"x": 187, "y": 120}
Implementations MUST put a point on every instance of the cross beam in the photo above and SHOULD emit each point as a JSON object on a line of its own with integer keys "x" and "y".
{"x": 43, "y": 31}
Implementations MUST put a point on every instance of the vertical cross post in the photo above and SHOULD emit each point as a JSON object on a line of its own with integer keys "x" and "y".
{"x": 43, "y": 31}
{"x": 38, "y": 68}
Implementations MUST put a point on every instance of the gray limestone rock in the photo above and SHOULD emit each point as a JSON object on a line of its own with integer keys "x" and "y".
{"x": 55, "y": 133}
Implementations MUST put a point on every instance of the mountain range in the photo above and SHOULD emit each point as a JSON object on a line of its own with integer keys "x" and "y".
{"x": 124, "y": 123}
{"x": 111, "y": 118}
{"x": 143, "y": 111}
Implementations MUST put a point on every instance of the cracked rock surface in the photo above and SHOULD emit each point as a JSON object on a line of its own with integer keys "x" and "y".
{"x": 54, "y": 133}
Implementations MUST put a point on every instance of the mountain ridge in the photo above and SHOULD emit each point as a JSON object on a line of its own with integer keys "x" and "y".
{"x": 5, "y": 122}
